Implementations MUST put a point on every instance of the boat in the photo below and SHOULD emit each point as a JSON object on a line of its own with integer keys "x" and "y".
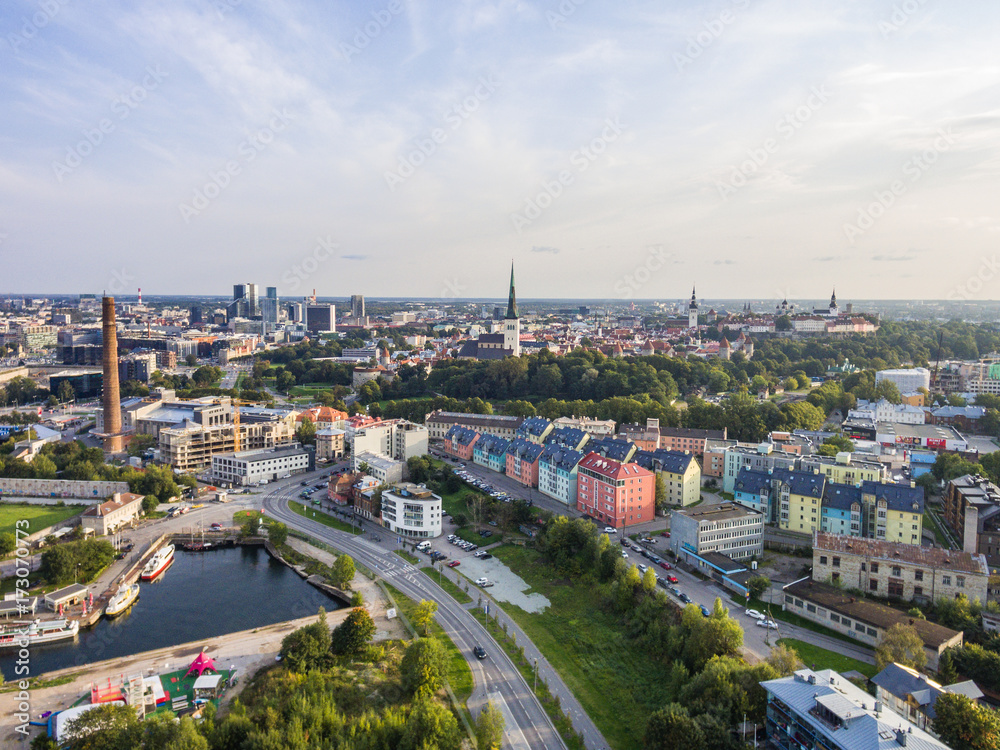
{"x": 122, "y": 600}
{"x": 158, "y": 563}
{"x": 15, "y": 634}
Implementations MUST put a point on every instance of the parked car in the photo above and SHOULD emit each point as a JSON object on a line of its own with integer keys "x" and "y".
{"x": 642, "y": 568}
{"x": 480, "y": 652}
{"x": 486, "y": 556}
{"x": 672, "y": 579}
{"x": 754, "y": 614}
{"x": 765, "y": 623}
{"x": 486, "y": 533}
{"x": 216, "y": 526}
{"x": 661, "y": 582}
{"x": 454, "y": 564}
{"x": 610, "y": 530}
{"x": 625, "y": 542}
{"x": 624, "y": 555}
{"x": 684, "y": 598}
{"x": 705, "y": 611}
{"x": 482, "y": 581}
{"x": 493, "y": 523}
{"x": 665, "y": 565}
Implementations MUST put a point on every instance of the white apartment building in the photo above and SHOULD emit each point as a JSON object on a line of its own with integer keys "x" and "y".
{"x": 252, "y": 467}
{"x": 906, "y": 379}
{"x": 411, "y": 510}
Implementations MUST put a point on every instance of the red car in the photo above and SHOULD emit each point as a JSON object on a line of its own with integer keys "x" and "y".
{"x": 454, "y": 564}
{"x": 672, "y": 579}
{"x": 665, "y": 565}
{"x": 666, "y": 534}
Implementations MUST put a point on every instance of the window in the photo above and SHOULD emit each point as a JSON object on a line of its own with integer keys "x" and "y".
{"x": 859, "y": 627}
{"x": 918, "y": 575}
{"x": 836, "y": 562}
{"x": 896, "y": 571}
{"x": 946, "y": 580}
{"x": 834, "y": 617}
{"x": 960, "y": 581}
{"x": 836, "y": 576}
{"x": 918, "y": 590}
{"x": 874, "y": 567}
{"x": 822, "y": 559}
{"x": 811, "y": 608}
{"x": 872, "y": 632}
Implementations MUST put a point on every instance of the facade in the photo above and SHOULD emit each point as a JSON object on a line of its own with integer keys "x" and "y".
{"x": 321, "y": 318}
{"x": 934, "y": 437}
{"x": 329, "y": 444}
{"x": 972, "y": 512}
{"x": 615, "y": 493}
{"x": 522, "y": 461}
{"x": 439, "y": 422}
{"x": 845, "y": 468}
{"x": 568, "y": 437}
{"x": 557, "y": 473}
{"x": 886, "y": 411}
{"x": 824, "y": 711}
{"x": 411, "y": 510}
{"x": 491, "y": 451}
{"x": 679, "y": 471}
{"x": 874, "y": 510}
{"x": 762, "y": 457}
{"x": 727, "y": 528}
{"x": 190, "y": 447}
{"x": 460, "y": 442}
{"x": 913, "y": 695}
{"x": 396, "y": 438}
{"x": 86, "y": 385}
{"x": 323, "y": 416}
{"x": 688, "y": 439}
{"x": 713, "y": 458}
{"x": 252, "y": 467}
{"x": 121, "y": 511}
{"x": 906, "y": 379}
{"x": 593, "y": 427}
{"x": 535, "y": 429}
{"x": 863, "y": 620}
{"x": 900, "y": 571}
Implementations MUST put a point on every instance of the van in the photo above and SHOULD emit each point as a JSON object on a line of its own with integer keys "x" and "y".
{"x": 423, "y": 545}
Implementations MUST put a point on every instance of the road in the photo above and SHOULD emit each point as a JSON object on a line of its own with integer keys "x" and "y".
{"x": 496, "y": 677}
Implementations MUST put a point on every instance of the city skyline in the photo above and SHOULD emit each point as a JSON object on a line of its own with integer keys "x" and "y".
{"x": 615, "y": 152}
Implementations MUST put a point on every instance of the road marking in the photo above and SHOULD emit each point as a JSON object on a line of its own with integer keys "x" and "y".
{"x": 515, "y": 737}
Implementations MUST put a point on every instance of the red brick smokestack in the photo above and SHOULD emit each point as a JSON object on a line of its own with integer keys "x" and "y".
{"x": 111, "y": 399}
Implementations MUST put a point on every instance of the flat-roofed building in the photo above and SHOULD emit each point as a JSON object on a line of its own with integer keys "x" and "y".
{"x": 411, "y": 510}
{"x": 846, "y": 468}
{"x": 385, "y": 470}
{"x": 121, "y": 511}
{"x": 972, "y": 511}
{"x": 329, "y": 443}
{"x": 688, "y": 439}
{"x": 899, "y": 571}
{"x": 760, "y": 457}
{"x": 593, "y": 427}
{"x": 728, "y": 528}
{"x": 263, "y": 465}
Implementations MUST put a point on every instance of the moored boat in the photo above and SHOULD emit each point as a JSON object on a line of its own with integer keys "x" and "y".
{"x": 158, "y": 563}
{"x": 122, "y": 600}
{"x": 15, "y": 634}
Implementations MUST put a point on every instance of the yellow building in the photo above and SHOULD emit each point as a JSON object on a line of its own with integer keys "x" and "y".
{"x": 799, "y": 496}
{"x": 846, "y": 469}
{"x": 893, "y": 512}
{"x": 680, "y": 472}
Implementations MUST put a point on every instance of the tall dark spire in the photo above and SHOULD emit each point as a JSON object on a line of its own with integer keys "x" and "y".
{"x": 833, "y": 298}
{"x": 694, "y": 301}
{"x": 511, "y": 298}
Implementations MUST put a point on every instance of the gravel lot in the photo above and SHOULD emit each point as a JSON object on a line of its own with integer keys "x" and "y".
{"x": 508, "y": 587}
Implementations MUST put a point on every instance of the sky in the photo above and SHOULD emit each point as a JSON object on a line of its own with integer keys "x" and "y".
{"x": 611, "y": 150}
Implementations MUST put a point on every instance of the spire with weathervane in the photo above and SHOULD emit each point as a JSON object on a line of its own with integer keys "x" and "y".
{"x": 511, "y": 298}
{"x": 693, "y": 311}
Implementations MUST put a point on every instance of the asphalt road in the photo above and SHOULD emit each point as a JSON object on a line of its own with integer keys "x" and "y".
{"x": 496, "y": 678}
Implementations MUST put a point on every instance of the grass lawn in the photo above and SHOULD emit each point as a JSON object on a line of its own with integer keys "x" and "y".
{"x": 815, "y": 657}
{"x": 457, "y": 502}
{"x": 37, "y": 516}
{"x": 447, "y": 584}
{"x": 614, "y": 680}
{"x": 407, "y": 556}
{"x": 459, "y": 675}
{"x": 323, "y": 518}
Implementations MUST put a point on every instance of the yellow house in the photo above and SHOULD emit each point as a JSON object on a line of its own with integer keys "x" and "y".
{"x": 679, "y": 470}
{"x": 799, "y": 499}
{"x": 893, "y": 512}
{"x": 845, "y": 469}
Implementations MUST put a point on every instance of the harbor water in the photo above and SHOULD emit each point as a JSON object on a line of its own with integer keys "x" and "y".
{"x": 200, "y": 596}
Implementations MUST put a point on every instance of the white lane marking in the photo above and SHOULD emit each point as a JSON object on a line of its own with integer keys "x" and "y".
{"x": 515, "y": 737}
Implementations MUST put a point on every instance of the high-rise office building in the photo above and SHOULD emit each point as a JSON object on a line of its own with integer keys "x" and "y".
{"x": 357, "y": 305}
{"x": 246, "y": 303}
{"x": 195, "y": 314}
{"x": 269, "y": 309}
{"x": 320, "y": 318}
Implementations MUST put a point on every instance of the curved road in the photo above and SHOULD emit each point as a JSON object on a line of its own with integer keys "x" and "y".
{"x": 497, "y": 679}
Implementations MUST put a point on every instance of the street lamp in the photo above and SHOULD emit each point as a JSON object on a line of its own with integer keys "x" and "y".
{"x": 536, "y": 676}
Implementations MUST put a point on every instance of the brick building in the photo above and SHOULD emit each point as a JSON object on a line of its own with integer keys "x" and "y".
{"x": 614, "y": 492}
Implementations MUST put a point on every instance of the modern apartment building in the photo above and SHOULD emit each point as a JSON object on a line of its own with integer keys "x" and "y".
{"x": 491, "y": 451}
{"x": 615, "y": 493}
{"x": 267, "y": 465}
{"x": 411, "y": 510}
{"x": 762, "y": 457}
{"x": 727, "y": 528}
{"x": 522, "y": 461}
{"x": 972, "y": 512}
{"x": 557, "y": 473}
{"x": 846, "y": 468}
{"x": 396, "y": 438}
{"x": 679, "y": 471}
{"x": 460, "y": 442}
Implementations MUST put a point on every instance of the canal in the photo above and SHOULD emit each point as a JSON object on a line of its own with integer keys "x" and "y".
{"x": 202, "y": 595}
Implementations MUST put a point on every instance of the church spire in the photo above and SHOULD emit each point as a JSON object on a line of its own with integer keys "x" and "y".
{"x": 694, "y": 301}
{"x": 511, "y": 298}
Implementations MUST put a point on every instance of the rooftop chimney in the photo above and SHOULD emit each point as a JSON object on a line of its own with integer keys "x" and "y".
{"x": 111, "y": 400}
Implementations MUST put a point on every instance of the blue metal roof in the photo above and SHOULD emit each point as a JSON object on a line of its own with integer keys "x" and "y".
{"x": 461, "y": 435}
{"x": 753, "y": 481}
{"x": 534, "y": 426}
{"x": 841, "y": 496}
{"x": 492, "y": 445}
{"x": 618, "y": 450}
{"x": 568, "y": 436}
{"x": 524, "y": 449}
{"x": 898, "y": 497}
{"x": 674, "y": 462}
{"x": 560, "y": 457}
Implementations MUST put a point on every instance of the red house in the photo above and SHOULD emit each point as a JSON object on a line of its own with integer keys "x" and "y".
{"x": 616, "y": 493}
{"x": 522, "y": 461}
{"x": 460, "y": 441}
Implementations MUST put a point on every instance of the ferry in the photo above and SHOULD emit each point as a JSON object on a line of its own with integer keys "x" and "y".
{"x": 122, "y": 600}
{"x": 159, "y": 563}
{"x": 37, "y": 632}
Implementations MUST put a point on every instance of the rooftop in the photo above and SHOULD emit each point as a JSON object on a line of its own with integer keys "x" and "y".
{"x": 928, "y": 557}
{"x": 717, "y": 513}
{"x": 611, "y": 469}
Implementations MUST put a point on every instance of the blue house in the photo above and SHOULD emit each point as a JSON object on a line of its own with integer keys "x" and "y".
{"x": 557, "y": 469}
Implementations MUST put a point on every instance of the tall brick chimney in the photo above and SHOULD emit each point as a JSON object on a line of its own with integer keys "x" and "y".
{"x": 111, "y": 400}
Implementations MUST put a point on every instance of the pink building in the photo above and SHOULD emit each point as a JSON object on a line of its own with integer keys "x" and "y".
{"x": 522, "y": 461}
{"x": 460, "y": 442}
{"x": 617, "y": 494}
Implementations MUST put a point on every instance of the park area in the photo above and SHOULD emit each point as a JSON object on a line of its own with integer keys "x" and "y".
{"x": 38, "y": 516}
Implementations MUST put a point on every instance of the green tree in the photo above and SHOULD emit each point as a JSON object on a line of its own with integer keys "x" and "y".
{"x": 423, "y": 667}
{"x": 306, "y": 432}
{"x": 284, "y": 381}
{"x": 250, "y": 524}
{"x": 783, "y": 659}
{"x": 423, "y": 615}
{"x": 757, "y": 585}
{"x": 489, "y": 728}
{"x": 106, "y": 728}
{"x": 430, "y": 725}
{"x": 900, "y": 644}
{"x": 307, "y": 647}
{"x": 671, "y": 728}
{"x": 962, "y": 724}
{"x": 65, "y": 392}
{"x": 139, "y": 444}
{"x": 352, "y": 636}
{"x": 43, "y": 467}
{"x": 277, "y": 533}
{"x": 8, "y": 542}
{"x": 660, "y": 489}
{"x": 343, "y": 571}
{"x": 649, "y": 581}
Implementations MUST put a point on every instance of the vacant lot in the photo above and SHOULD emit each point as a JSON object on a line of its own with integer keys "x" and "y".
{"x": 815, "y": 657}
{"x": 37, "y": 516}
{"x": 615, "y": 681}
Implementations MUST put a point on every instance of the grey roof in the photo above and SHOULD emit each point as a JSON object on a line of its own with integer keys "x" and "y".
{"x": 618, "y": 450}
{"x": 899, "y": 497}
{"x": 492, "y": 445}
{"x": 860, "y": 727}
{"x": 534, "y": 426}
{"x": 969, "y": 412}
{"x": 525, "y": 449}
{"x": 691, "y": 432}
{"x": 805, "y": 483}
{"x": 902, "y": 682}
{"x": 673, "y": 462}
{"x": 461, "y": 435}
{"x": 753, "y": 481}
{"x": 569, "y": 436}
{"x": 841, "y": 496}
{"x": 560, "y": 457}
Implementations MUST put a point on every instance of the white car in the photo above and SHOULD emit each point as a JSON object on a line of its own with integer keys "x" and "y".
{"x": 610, "y": 530}
{"x": 765, "y": 623}
{"x": 755, "y": 614}
{"x": 624, "y": 555}
{"x": 481, "y": 581}
{"x": 642, "y": 568}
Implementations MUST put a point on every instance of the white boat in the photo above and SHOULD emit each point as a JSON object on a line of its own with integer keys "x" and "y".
{"x": 159, "y": 562}
{"x": 122, "y": 600}
{"x": 15, "y": 634}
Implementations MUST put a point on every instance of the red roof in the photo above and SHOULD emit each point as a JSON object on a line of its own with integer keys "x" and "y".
{"x": 611, "y": 469}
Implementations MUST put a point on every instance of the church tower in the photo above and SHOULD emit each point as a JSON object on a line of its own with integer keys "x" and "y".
{"x": 512, "y": 323}
{"x": 693, "y": 311}
{"x": 834, "y": 310}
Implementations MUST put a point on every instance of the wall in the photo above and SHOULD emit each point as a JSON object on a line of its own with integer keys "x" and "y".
{"x": 60, "y": 488}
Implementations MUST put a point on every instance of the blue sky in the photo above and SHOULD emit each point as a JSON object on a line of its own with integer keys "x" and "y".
{"x": 757, "y": 148}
